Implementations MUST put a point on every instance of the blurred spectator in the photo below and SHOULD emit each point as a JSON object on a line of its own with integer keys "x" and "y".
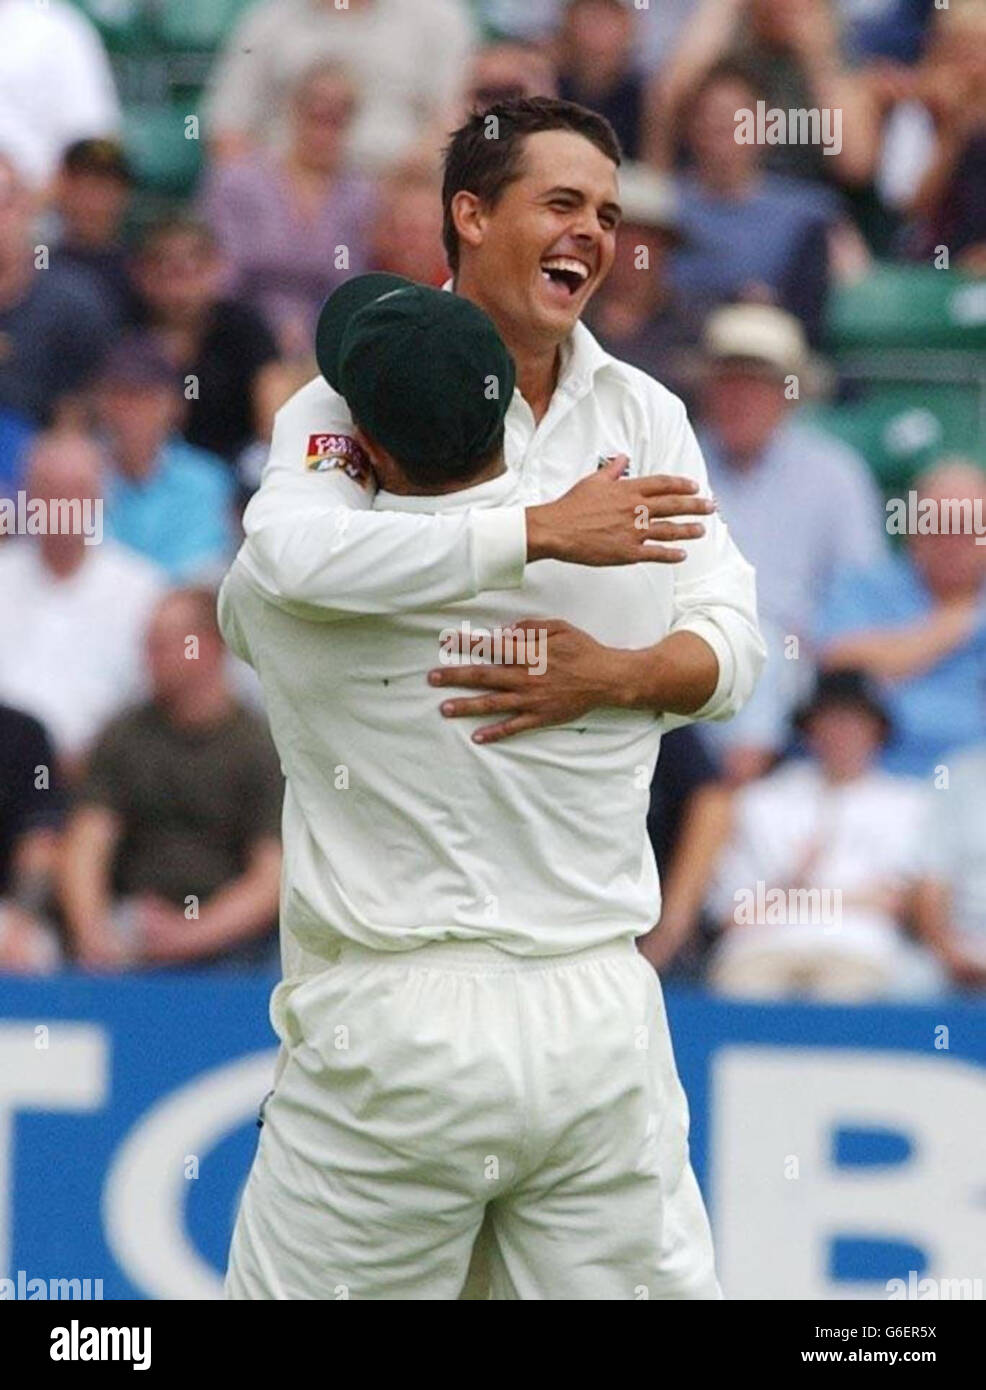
{"x": 56, "y": 85}
{"x": 886, "y": 29}
{"x": 406, "y": 237}
{"x": 797, "y": 61}
{"x": 946, "y": 171}
{"x": 596, "y": 51}
{"x": 659, "y": 24}
{"x": 637, "y": 315}
{"x": 800, "y": 504}
{"x": 54, "y": 329}
{"x": 687, "y": 822}
{"x": 30, "y": 817}
{"x": 73, "y": 613}
{"x": 951, "y": 901}
{"x": 293, "y": 223}
{"x": 750, "y": 234}
{"x": 165, "y": 498}
{"x": 222, "y": 348}
{"x": 504, "y": 69}
{"x": 818, "y": 871}
{"x": 172, "y": 854}
{"x": 92, "y": 195}
{"x": 917, "y": 620}
{"x": 407, "y": 61}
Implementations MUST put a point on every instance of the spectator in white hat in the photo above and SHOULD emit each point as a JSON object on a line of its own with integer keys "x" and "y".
{"x": 800, "y": 503}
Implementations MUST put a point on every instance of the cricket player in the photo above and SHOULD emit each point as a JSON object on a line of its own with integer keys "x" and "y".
{"x": 469, "y": 1035}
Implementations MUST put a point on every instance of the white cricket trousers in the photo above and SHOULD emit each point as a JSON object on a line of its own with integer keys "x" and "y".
{"x": 432, "y": 1094}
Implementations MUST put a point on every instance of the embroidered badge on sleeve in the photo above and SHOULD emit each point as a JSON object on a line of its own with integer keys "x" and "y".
{"x": 328, "y": 451}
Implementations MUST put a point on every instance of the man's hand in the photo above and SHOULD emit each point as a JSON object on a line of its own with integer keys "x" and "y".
{"x": 607, "y": 519}
{"x": 576, "y": 674}
{"x": 162, "y": 929}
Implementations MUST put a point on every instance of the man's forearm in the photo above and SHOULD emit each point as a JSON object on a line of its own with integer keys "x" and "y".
{"x": 677, "y": 676}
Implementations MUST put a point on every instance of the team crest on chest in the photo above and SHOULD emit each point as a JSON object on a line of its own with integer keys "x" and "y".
{"x": 328, "y": 451}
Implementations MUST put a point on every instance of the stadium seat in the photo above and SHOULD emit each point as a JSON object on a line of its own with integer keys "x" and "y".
{"x": 165, "y": 161}
{"x": 901, "y": 428}
{"x": 197, "y": 24}
{"x": 122, "y": 24}
{"x": 905, "y": 306}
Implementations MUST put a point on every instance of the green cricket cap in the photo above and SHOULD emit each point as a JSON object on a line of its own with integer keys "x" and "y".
{"x": 423, "y": 371}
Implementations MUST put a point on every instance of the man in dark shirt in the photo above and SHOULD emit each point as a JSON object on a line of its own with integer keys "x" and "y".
{"x": 92, "y": 196}
{"x": 30, "y": 816}
{"x": 222, "y": 347}
{"x": 54, "y": 328}
{"x": 173, "y": 854}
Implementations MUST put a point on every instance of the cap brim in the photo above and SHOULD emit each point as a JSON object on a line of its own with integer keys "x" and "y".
{"x": 338, "y": 310}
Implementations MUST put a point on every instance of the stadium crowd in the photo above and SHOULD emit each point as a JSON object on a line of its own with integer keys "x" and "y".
{"x": 156, "y": 309}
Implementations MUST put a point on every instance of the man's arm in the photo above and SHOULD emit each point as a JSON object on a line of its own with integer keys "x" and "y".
{"x": 313, "y": 542}
{"x": 241, "y": 909}
{"x": 704, "y": 669}
{"x": 903, "y": 652}
{"x": 90, "y": 843}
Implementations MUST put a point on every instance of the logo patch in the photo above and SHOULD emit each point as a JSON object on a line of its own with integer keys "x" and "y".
{"x": 328, "y": 451}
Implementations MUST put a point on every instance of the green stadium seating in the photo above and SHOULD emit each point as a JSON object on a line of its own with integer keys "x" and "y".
{"x": 121, "y": 23}
{"x": 904, "y": 306}
{"x": 197, "y": 24}
{"x": 901, "y": 428}
{"x": 165, "y": 161}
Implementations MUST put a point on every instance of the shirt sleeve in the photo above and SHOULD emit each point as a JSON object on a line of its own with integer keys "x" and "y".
{"x": 36, "y": 807}
{"x": 849, "y": 607}
{"x": 107, "y": 782}
{"x": 206, "y": 542}
{"x": 860, "y": 533}
{"x": 313, "y": 542}
{"x": 715, "y": 587}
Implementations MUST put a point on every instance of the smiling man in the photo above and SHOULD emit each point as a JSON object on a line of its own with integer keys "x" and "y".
{"x": 591, "y": 1196}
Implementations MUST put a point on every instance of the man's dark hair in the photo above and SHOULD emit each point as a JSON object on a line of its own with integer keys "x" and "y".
{"x": 433, "y": 476}
{"x": 484, "y": 164}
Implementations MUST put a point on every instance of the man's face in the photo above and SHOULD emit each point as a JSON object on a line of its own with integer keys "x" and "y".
{"x": 539, "y": 255}
{"x": 743, "y": 406}
{"x": 712, "y": 130}
{"x": 601, "y": 30}
{"x": 93, "y": 204}
{"x": 323, "y": 112}
{"x": 172, "y": 661}
{"x": 179, "y": 274}
{"x": 138, "y": 419}
{"x": 844, "y": 738}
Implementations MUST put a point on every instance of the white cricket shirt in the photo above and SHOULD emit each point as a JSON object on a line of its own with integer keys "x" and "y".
{"x": 537, "y": 843}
